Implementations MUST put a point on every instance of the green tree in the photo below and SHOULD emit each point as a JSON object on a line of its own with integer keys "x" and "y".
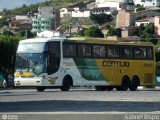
{"x": 27, "y": 34}
{"x": 140, "y": 9}
{"x": 8, "y": 47}
{"x": 93, "y": 32}
{"x": 100, "y": 18}
{"x": 114, "y": 32}
{"x": 146, "y": 33}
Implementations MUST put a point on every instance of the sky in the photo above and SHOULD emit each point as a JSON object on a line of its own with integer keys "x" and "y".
{"x": 10, "y": 4}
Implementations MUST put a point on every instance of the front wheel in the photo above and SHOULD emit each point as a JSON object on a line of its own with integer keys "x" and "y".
{"x": 40, "y": 89}
{"x": 67, "y": 83}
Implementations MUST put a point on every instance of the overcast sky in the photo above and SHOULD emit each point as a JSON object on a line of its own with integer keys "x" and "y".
{"x": 10, "y": 4}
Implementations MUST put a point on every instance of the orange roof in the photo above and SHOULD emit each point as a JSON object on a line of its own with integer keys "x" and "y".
{"x": 145, "y": 19}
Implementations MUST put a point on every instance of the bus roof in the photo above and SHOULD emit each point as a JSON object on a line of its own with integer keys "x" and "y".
{"x": 41, "y": 40}
{"x": 109, "y": 41}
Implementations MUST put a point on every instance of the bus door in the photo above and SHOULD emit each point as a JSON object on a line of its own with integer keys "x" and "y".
{"x": 53, "y": 61}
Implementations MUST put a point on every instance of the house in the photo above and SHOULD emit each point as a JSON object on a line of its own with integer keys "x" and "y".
{"x": 127, "y": 18}
{"x": 147, "y": 3}
{"x": 47, "y": 18}
{"x": 115, "y": 4}
{"x": 128, "y": 31}
{"x": 73, "y": 12}
{"x": 157, "y": 25}
{"x": 144, "y": 21}
{"x": 98, "y": 10}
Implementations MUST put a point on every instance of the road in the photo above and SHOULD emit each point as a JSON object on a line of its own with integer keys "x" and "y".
{"x": 79, "y": 102}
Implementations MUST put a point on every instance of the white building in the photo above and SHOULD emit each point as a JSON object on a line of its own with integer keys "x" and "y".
{"x": 113, "y": 4}
{"x": 73, "y": 12}
{"x": 145, "y": 21}
{"x": 109, "y": 3}
{"x": 147, "y": 3}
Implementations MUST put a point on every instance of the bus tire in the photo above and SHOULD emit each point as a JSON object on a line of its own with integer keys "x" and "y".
{"x": 124, "y": 85}
{"x": 134, "y": 83}
{"x": 100, "y": 88}
{"x": 40, "y": 89}
{"x": 110, "y": 88}
{"x": 67, "y": 83}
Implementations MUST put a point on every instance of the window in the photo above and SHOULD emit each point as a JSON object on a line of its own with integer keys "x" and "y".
{"x": 126, "y": 52}
{"x": 149, "y": 53}
{"x": 53, "y": 61}
{"x": 69, "y": 50}
{"x": 99, "y": 51}
{"x": 54, "y": 47}
{"x": 84, "y": 50}
{"x": 140, "y": 53}
{"x": 112, "y": 51}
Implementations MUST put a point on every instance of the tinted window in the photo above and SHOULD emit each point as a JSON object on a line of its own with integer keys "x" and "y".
{"x": 126, "y": 52}
{"x": 140, "y": 53}
{"x": 113, "y": 51}
{"x": 69, "y": 49}
{"x": 84, "y": 50}
{"x": 99, "y": 51}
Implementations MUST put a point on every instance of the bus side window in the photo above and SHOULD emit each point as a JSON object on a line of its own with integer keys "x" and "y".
{"x": 149, "y": 53}
{"x": 84, "y": 50}
{"x": 126, "y": 52}
{"x": 69, "y": 50}
{"x": 112, "y": 51}
{"x": 140, "y": 53}
{"x": 99, "y": 51}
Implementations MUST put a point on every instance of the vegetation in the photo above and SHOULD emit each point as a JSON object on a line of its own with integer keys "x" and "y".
{"x": 146, "y": 33}
{"x": 91, "y": 32}
{"x": 100, "y": 18}
{"x": 114, "y": 32}
{"x": 140, "y": 9}
{"x": 8, "y": 47}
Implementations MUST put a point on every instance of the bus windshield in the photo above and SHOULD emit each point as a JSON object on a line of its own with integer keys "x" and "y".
{"x": 31, "y": 47}
{"x": 31, "y": 62}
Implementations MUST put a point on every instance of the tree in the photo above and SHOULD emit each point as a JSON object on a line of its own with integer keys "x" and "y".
{"x": 27, "y": 34}
{"x": 8, "y": 47}
{"x": 140, "y": 9}
{"x": 100, "y": 18}
{"x": 93, "y": 32}
{"x": 114, "y": 32}
{"x": 146, "y": 33}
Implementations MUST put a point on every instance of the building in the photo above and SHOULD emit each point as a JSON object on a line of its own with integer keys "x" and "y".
{"x": 19, "y": 23}
{"x": 115, "y": 4}
{"x": 128, "y": 31}
{"x": 126, "y": 18}
{"x": 147, "y": 3}
{"x": 144, "y": 21}
{"x": 47, "y": 18}
{"x": 99, "y": 10}
{"x": 157, "y": 25}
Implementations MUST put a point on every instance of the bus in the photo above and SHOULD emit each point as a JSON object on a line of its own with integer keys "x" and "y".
{"x": 61, "y": 62}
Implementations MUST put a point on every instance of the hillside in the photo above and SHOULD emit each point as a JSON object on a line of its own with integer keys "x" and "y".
{"x": 54, "y": 3}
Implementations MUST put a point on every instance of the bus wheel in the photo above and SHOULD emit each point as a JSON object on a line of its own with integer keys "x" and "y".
{"x": 67, "y": 83}
{"x": 110, "y": 88}
{"x": 125, "y": 84}
{"x": 134, "y": 84}
{"x": 100, "y": 88}
{"x": 40, "y": 89}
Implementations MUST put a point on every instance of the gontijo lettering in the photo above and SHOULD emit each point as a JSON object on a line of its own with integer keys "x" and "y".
{"x": 116, "y": 63}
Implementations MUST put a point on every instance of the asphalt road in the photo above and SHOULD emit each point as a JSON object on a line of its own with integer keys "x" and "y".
{"x": 79, "y": 104}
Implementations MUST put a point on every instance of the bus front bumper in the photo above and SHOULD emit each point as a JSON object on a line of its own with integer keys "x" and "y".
{"x": 28, "y": 81}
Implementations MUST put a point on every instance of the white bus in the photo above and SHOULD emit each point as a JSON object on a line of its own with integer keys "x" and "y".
{"x": 64, "y": 62}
